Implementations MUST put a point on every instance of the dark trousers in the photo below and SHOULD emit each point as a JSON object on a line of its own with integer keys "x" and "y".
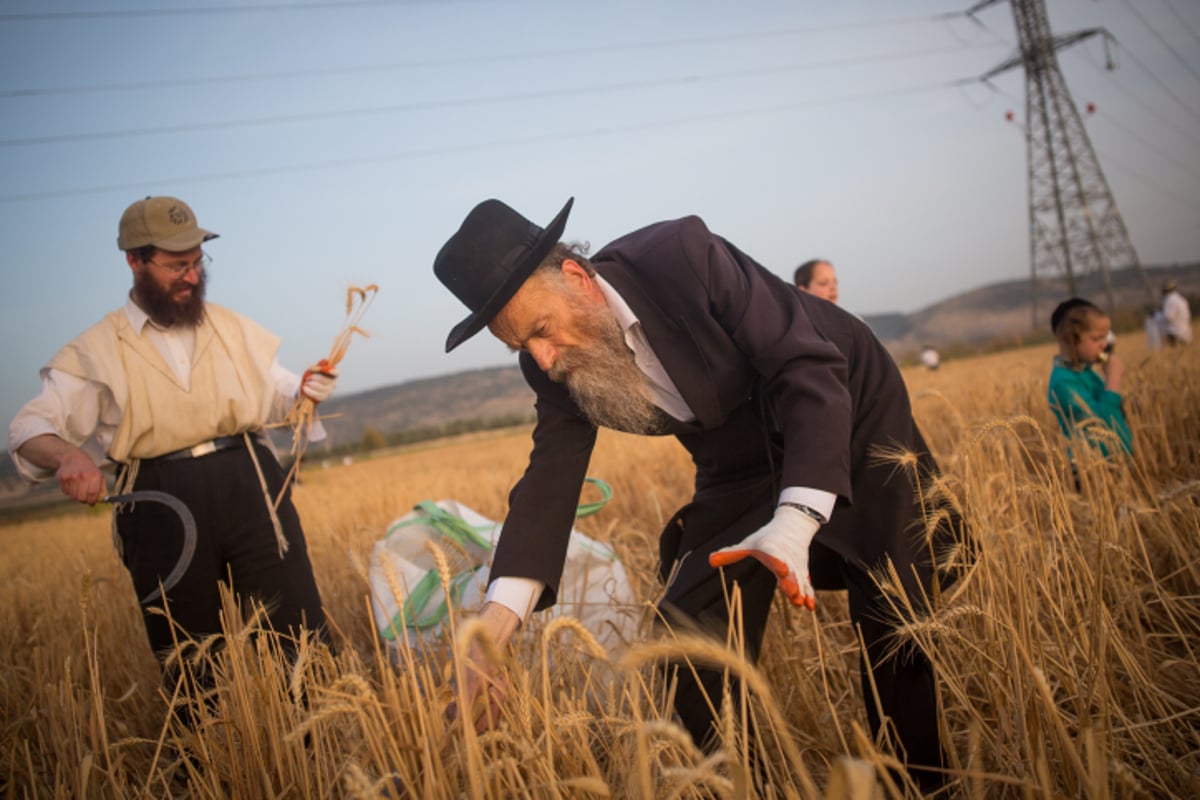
{"x": 905, "y": 682}
{"x": 236, "y": 546}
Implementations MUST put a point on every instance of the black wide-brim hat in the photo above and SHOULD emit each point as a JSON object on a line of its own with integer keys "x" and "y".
{"x": 488, "y": 258}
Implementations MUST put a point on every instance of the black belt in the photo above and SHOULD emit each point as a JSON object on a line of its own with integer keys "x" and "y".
{"x": 202, "y": 449}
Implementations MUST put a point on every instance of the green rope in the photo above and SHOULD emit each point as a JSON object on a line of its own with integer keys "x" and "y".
{"x": 606, "y": 492}
{"x": 414, "y": 612}
{"x": 448, "y": 526}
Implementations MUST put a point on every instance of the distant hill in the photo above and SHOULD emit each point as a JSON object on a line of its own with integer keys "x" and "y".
{"x": 481, "y": 394}
{"x": 1003, "y": 310}
{"x": 998, "y": 311}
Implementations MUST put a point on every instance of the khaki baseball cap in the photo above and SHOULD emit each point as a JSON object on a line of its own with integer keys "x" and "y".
{"x": 165, "y": 222}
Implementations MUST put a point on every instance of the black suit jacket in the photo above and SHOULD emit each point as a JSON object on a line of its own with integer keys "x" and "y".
{"x": 787, "y": 389}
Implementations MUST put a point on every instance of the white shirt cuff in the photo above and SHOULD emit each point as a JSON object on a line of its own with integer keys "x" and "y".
{"x": 21, "y": 431}
{"x": 287, "y": 386}
{"x": 518, "y": 595}
{"x": 816, "y": 499}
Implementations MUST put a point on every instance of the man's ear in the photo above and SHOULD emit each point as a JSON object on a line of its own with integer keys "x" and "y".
{"x": 579, "y": 278}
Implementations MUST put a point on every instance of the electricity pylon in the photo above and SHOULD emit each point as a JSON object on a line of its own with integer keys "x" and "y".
{"x": 1075, "y": 227}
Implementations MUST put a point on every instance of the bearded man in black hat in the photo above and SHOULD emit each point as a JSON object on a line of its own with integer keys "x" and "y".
{"x": 782, "y": 400}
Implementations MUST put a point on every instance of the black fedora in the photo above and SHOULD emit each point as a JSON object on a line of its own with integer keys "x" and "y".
{"x": 489, "y": 257}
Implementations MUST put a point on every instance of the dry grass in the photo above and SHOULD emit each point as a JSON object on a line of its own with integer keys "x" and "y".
{"x": 1069, "y": 654}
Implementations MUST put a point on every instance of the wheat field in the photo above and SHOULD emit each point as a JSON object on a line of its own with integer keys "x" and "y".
{"x": 1067, "y": 656}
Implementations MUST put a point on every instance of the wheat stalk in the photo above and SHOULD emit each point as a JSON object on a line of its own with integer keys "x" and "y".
{"x": 303, "y": 413}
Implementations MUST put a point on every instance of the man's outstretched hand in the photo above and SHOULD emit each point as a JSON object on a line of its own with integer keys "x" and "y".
{"x": 782, "y": 547}
{"x": 483, "y": 685}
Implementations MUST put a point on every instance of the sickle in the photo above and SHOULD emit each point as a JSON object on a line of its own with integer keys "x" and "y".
{"x": 189, "y": 534}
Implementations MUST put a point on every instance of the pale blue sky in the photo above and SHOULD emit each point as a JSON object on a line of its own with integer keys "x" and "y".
{"x": 335, "y": 144}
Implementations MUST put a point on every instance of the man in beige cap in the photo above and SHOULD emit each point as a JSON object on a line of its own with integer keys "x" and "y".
{"x": 173, "y": 393}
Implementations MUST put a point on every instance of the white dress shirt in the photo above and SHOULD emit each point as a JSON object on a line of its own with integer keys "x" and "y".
{"x": 1177, "y": 316}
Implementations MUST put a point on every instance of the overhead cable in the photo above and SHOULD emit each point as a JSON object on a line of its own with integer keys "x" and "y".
{"x": 1112, "y": 120}
{"x": 1162, "y": 40}
{"x": 182, "y": 11}
{"x": 573, "y": 52}
{"x": 1189, "y": 202}
{"x": 1159, "y": 82}
{"x": 469, "y": 101}
{"x": 1183, "y": 23}
{"x": 1137, "y": 98}
{"x": 482, "y": 146}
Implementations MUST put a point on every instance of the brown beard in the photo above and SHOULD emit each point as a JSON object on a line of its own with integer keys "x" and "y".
{"x": 603, "y": 378}
{"x": 164, "y": 310}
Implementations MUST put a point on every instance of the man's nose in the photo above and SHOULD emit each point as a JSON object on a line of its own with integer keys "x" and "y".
{"x": 544, "y": 354}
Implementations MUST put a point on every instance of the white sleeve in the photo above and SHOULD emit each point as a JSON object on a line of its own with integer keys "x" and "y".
{"x": 76, "y": 410}
{"x": 287, "y": 388}
{"x": 518, "y": 595}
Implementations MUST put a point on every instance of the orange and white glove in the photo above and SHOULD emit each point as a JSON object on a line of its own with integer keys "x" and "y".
{"x": 318, "y": 383}
{"x": 782, "y": 547}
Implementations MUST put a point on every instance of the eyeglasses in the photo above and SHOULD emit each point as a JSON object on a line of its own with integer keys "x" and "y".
{"x": 178, "y": 270}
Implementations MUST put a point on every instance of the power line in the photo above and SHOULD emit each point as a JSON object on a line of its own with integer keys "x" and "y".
{"x": 1146, "y": 107}
{"x": 258, "y": 8}
{"x": 1189, "y": 202}
{"x": 1112, "y": 120}
{"x": 1154, "y": 31}
{"x": 978, "y": 23}
{"x": 458, "y": 103}
{"x": 481, "y": 146}
{"x": 1182, "y": 21}
{"x": 1161, "y": 84}
{"x": 573, "y": 52}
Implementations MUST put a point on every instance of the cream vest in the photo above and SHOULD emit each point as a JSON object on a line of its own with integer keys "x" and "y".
{"x": 231, "y": 389}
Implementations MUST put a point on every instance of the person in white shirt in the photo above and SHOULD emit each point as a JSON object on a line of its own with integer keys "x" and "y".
{"x": 930, "y": 357}
{"x": 170, "y": 393}
{"x": 1152, "y": 326}
{"x": 1177, "y": 315}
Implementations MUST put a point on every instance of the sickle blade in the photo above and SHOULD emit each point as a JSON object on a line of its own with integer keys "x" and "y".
{"x": 189, "y": 534}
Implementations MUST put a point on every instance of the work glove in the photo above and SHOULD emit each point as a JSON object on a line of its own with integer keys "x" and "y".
{"x": 318, "y": 382}
{"x": 782, "y": 547}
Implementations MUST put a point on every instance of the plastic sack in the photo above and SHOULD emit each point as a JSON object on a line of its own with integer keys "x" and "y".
{"x": 410, "y": 602}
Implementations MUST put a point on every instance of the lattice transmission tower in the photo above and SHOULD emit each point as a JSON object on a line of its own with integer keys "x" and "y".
{"x": 1075, "y": 227}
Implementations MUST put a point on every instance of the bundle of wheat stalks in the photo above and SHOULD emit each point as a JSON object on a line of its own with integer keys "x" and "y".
{"x": 1067, "y": 655}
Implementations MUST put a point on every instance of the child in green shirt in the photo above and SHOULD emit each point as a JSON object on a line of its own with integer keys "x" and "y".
{"x": 1077, "y": 391}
